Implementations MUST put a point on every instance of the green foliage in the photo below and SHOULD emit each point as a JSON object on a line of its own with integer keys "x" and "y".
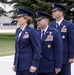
{"x": 7, "y": 43}
{"x": 39, "y": 5}
{"x": 34, "y": 5}
{"x": 2, "y": 12}
{"x": 42, "y": 5}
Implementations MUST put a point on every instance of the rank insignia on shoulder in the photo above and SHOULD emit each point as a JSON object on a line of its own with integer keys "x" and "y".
{"x": 31, "y": 26}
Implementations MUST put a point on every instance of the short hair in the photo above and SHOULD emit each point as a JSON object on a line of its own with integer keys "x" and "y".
{"x": 29, "y": 19}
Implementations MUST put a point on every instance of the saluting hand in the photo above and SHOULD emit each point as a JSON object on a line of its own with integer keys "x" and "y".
{"x": 71, "y": 60}
{"x": 32, "y": 69}
{"x": 57, "y": 70}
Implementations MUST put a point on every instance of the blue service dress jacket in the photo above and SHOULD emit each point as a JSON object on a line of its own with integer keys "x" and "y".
{"x": 51, "y": 51}
{"x": 66, "y": 29}
{"x": 27, "y": 49}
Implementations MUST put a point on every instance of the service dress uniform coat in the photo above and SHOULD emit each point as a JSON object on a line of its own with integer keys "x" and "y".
{"x": 27, "y": 49}
{"x": 51, "y": 51}
{"x": 66, "y": 29}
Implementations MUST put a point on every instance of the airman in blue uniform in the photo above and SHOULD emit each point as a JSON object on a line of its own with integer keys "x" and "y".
{"x": 27, "y": 45}
{"x": 51, "y": 46}
{"x": 66, "y": 29}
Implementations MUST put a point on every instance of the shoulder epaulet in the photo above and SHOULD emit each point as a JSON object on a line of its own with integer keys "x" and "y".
{"x": 68, "y": 21}
{"x": 18, "y": 28}
{"x": 53, "y": 29}
{"x": 52, "y": 22}
{"x": 31, "y": 26}
{"x": 38, "y": 28}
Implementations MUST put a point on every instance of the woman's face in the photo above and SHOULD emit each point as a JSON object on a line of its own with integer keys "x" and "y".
{"x": 21, "y": 21}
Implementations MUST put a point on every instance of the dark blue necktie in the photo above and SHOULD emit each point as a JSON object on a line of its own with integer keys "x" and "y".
{"x": 42, "y": 34}
{"x": 57, "y": 25}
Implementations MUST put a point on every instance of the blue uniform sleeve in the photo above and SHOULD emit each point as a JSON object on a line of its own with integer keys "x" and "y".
{"x": 35, "y": 40}
{"x": 58, "y": 49}
{"x": 71, "y": 40}
{"x": 15, "y": 47}
{"x": 15, "y": 54}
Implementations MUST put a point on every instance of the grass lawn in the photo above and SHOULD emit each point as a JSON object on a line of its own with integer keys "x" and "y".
{"x": 7, "y": 43}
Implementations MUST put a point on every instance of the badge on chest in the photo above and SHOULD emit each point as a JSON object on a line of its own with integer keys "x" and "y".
{"x": 26, "y": 35}
{"x": 49, "y": 37}
{"x": 64, "y": 29}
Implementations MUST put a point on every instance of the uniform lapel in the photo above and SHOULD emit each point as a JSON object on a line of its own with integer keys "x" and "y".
{"x": 61, "y": 25}
{"x": 22, "y": 34}
{"x": 17, "y": 34}
{"x": 54, "y": 25}
{"x": 59, "y": 28}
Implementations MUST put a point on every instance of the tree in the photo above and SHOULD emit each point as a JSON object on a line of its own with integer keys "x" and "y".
{"x": 33, "y": 5}
{"x": 39, "y": 5}
{"x": 2, "y": 12}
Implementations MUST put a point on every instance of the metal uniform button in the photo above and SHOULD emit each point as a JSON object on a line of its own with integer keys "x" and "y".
{"x": 49, "y": 46}
{"x": 63, "y": 37}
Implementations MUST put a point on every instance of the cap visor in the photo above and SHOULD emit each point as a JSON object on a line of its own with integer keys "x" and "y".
{"x": 37, "y": 19}
{"x": 54, "y": 10}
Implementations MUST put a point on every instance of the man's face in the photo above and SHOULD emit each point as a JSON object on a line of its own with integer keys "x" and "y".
{"x": 42, "y": 22}
{"x": 56, "y": 14}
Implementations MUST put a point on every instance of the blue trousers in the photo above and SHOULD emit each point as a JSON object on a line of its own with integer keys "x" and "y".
{"x": 66, "y": 70}
{"x": 47, "y": 73}
{"x": 25, "y": 73}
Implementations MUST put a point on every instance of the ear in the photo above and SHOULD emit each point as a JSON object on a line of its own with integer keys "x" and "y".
{"x": 47, "y": 20}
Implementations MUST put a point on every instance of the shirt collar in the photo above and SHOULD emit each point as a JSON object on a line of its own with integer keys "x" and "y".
{"x": 23, "y": 27}
{"x": 59, "y": 22}
{"x": 44, "y": 29}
